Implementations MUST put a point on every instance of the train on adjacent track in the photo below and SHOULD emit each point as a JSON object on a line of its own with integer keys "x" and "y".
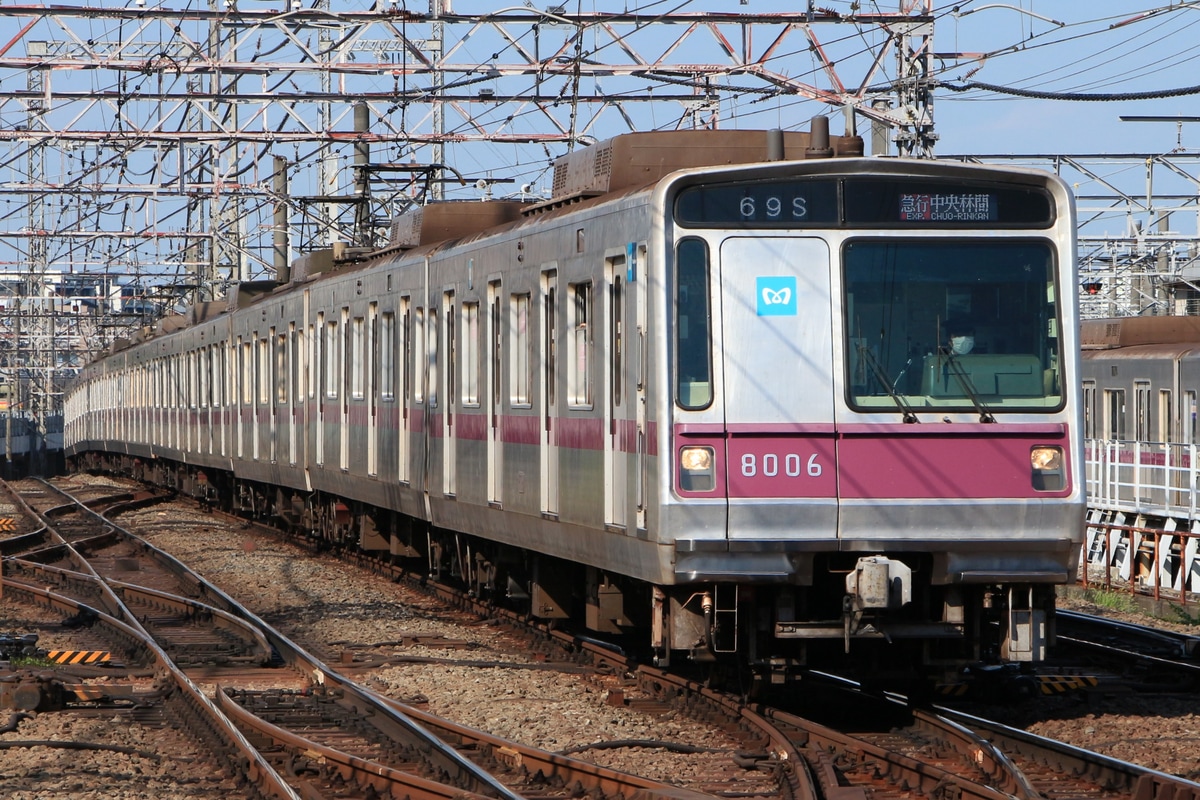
{"x": 736, "y": 396}
{"x": 1141, "y": 384}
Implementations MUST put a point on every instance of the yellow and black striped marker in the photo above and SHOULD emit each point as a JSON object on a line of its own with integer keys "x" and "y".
{"x": 79, "y": 656}
{"x": 7, "y": 524}
{"x": 1061, "y": 684}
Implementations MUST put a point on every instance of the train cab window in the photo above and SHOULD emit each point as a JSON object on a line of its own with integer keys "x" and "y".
{"x": 579, "y": 365}
{"x": 966, "y": 325}
{"x": 693, "y": 340}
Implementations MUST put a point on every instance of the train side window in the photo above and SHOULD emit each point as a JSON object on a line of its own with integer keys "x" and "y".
{"x": 203, "y": 370}
{"x": 312, "y": 365}
{"x": 264, "y": 369}
{"x": 418, "y": 334}
{"x": 282, "y": 357}
{"x": 470, "y": 354}
{"x": 387, "y": 355}
{"x": 247, "y": 374}
{"x": 616, "y": 331}
{"x": 1089, "y": 409}
{"x": 330, "y": 346}
{"x": 357, "y": 358}
{"x": 432, "y": 387}
{"x": 579, "y": 364}
{"x": 192, "y": 394}
{"x": 693, "y": 341}
{"x": 1141, "y": 410}
{"x": 1187, "y": 422}
{"x": 520, "y": 380}
{"x": 450, "y": 347}
{"x": 299, "y": 365}
{"x": 1165, "y": 434}
{"x": 214, "y": 376}
{"x": 1114, "y": 407}
{"x": 404, "y": 349}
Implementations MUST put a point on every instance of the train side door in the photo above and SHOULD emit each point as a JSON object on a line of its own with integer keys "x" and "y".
{"x": 404, "y": 390}
{"x": 777, "y": 378}
{"x": 495, "y": 453}
{"x": 345, "y": 345}
{"x": 448, "y": 374}
{"x": 636, "y": 273}
{"x": 549, "y": 392}
{"x": 294, "y": 389}
{"x": 371, "y": 373}
{"x": 274, "y": 362}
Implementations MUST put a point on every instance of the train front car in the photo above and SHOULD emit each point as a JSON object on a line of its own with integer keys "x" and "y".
{"x": 874, "y": 418}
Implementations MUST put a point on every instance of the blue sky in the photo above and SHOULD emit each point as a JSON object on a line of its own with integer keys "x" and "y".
{"x": 1105, "y": 47}
{"x": 1067, "y": 47}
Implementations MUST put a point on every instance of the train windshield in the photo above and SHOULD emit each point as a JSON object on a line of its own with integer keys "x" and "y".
{"x": 952, "y": 325}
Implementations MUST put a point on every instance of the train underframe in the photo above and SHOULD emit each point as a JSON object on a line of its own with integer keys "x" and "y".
{"x": 862, "y": 615}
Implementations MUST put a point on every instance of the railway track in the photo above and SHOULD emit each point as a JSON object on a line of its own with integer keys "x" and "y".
{"x": 337, "y": 732}
{"x": 324, "y": 736}
{"x": 1140, "y": 658}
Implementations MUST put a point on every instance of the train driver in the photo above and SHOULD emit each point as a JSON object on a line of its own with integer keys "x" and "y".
{"x": 961, "y": 339}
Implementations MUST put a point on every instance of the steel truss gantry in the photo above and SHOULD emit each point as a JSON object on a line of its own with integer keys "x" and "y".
{"x": 1139, "y": 227}
{"x": 152, "y": 155}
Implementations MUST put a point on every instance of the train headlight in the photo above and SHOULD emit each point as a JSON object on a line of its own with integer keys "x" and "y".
{"x": 1047, "y": 469}
{"x": 696, "y": 473}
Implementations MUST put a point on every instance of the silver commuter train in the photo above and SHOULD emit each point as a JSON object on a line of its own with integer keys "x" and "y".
{"x": 708, "y": 392}
{"x": 1141, "y": 384}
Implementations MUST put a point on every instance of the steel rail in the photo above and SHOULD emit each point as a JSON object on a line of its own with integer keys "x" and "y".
{"x": 264, "y": 777}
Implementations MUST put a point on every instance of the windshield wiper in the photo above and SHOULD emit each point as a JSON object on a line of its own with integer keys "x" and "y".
{"x": 867, "y": 356}
{"x": 964, "y": 383}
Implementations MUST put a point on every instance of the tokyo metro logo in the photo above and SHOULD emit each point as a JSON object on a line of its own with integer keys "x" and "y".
{"x": 776, "y": 296}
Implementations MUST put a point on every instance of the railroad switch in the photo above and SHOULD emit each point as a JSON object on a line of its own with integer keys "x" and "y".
{"x": 32, "y": 691}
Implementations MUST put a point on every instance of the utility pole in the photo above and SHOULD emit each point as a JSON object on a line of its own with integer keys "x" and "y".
{"x": 914, "y": 70}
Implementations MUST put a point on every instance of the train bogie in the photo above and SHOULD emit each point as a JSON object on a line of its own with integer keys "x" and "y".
{"x": 718, "y": 406}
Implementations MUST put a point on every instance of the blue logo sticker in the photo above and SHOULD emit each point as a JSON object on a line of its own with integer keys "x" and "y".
{"x": 776, "y": 296}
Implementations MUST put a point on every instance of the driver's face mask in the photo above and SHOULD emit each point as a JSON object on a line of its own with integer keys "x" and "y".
{"x": 961, "y": 345}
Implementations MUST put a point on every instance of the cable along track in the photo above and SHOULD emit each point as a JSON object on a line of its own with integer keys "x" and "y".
{"x": 299, "y": 729}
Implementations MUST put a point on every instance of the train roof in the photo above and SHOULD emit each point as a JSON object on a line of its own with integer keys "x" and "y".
{"x": 1121, "y": 332}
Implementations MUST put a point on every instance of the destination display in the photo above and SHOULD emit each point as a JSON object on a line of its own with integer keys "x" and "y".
{"x": 888, "y": 202}
{"x": 854, "y": 202}
{"x": 787, "y": 204}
